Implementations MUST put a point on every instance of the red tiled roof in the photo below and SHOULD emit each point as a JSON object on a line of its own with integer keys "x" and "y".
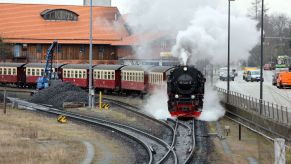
{"x": 137, "y": 39}
{"x": 22, "y": 23}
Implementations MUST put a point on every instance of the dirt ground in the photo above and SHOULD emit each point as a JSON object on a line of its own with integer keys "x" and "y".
{"x": 252, "y": 145}
{"x": 28, "y": 137}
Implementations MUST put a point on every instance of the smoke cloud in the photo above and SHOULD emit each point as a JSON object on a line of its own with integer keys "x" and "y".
{"x": 206, "y": 37}
{"x": 156, "y": 104}
{"x": 212, "y": 109}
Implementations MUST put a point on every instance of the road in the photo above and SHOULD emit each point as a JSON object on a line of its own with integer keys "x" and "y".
{"x": 270, "y": 93}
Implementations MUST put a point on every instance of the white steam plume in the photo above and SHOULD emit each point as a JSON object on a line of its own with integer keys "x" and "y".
{"x": 156, "y": 104}
{"x": 206, "y": 37}
{"x": 212, "y": 109}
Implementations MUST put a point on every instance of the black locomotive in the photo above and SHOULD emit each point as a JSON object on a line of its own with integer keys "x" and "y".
{"x": 185, "y": 88}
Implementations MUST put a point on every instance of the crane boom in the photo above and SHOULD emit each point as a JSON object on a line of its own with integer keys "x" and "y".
{"x": 43, "y": 81}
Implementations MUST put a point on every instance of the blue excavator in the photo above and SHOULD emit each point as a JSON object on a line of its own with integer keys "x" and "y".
{"x": 44, "y": 80}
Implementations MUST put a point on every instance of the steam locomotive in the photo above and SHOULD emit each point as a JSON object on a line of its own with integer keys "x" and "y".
{"x": 185, "y": 88}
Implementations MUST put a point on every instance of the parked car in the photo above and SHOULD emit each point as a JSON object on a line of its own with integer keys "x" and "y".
{"x": 253, "y": 75}
{"x": 246, "y": 69}
{"x": 284, "y": 79}
{"x": 275, "y": 77}
{"x": 223, "y": 74}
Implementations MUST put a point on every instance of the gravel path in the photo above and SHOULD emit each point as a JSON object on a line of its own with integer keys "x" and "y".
{"x": 90, "y": 153}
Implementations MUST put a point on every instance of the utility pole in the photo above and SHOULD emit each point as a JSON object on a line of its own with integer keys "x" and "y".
{"x": 262, "y": 58}
{"x": 91, "y": 90}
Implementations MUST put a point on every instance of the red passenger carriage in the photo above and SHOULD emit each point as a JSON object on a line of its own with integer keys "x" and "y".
{"x": 107, "y": 77}
{"x": 158, "y": 77}
{"x": 135, "y": 78}
{"x": 76, "y": 74}
{"x": 12, "y": 73}
{"x": 36, "y": 70}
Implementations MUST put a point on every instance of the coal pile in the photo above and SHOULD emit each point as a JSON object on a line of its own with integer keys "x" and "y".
{"x": 57, "y": 94}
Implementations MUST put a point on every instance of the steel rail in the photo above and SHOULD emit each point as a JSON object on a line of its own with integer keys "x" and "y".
{"x": 189, "y": 158}
{"x": 96, "y": 121}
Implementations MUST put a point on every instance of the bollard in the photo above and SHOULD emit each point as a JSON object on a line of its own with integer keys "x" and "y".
{"x": 5, "y": 101}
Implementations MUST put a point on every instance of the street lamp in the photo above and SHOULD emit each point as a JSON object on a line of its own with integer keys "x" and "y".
{"x": 228, "y": 52}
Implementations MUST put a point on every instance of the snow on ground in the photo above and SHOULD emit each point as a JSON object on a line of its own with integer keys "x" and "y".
{"x": 270, "y": 93}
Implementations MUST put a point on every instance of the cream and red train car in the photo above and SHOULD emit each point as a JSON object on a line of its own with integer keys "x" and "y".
{"x": 134, "y": 78}
{"x": 107, "y": 77}
{"x": 158, "y": 77}
{"x": 35, "y": 70}
{"x": 12, "y": 73}
{"x": 76, "y": 74}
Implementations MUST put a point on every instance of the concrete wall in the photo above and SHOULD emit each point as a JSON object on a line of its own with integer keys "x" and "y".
{"x": 97, "y": 2}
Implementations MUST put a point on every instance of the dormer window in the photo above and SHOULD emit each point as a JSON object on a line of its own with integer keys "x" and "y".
{"x": 59, "y": 15}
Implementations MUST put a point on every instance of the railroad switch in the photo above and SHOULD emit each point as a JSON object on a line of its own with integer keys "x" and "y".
{"x": 62, "y": 119}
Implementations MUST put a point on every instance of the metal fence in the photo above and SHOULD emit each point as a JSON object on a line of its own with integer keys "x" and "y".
{"x": 277, "y": 113}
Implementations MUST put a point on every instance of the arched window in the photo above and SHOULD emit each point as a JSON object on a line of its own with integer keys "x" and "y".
{"x": 59, "y": 15}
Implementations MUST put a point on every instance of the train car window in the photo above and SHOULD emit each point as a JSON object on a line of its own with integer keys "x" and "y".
{"x": 106, "y": 75}
{"x": 9, "y": 71}
{"x": 80, "y": 74}
{"x": 72, "y": 73}
{"x": 28, "y": 71}
{"x": 33, "y": 72}
{"x": 126, "y": 75}
{"x": 76, "y": 74}
{"x": 0, "y": 70}
{"x": 68, "y": 74}
{"x": 65, "y": 73}
{"x": 13, "y": 71}
{"x": 113, "y": 75}
{"x": 84, "y": 75}
{"x": 5, "y": 71}
{"x": 42, "y": 72}
{"x": 95, "y": 75}
{"x": 142, "y": 76}
{"x": 98, "y": 74}
{"x": 37, "y": 73}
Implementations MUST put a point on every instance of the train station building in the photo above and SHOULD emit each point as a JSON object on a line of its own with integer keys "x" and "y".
{"x": 28, "y": 30}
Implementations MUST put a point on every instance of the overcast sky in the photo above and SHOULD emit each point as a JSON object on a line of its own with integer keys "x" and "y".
{"x": 275, "y": 6}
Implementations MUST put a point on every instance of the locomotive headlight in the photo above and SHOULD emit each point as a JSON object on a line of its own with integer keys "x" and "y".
{"x": 176, "y": 96}
{"x": 185, "y": 68}
{"x": 192, "y": 96}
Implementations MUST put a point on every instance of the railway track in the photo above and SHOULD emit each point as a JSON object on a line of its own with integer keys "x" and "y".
{"x": 158, "y": 150}
{"x": 184, "y": 141}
